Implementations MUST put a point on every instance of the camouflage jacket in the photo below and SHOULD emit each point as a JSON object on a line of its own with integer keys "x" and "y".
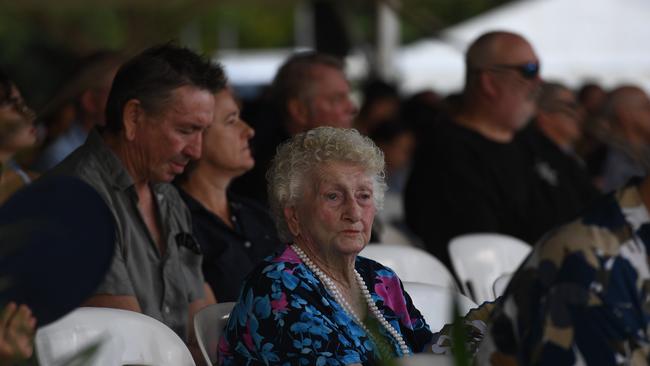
{"x": 582, "y": 296}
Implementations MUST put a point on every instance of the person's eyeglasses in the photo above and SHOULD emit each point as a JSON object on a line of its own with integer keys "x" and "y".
{"x": 529, "y": 70}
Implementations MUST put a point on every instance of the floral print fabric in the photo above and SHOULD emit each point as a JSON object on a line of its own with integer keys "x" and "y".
{"x": 286, "y": 316}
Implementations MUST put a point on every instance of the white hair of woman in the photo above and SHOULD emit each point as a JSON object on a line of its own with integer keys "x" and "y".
{"x": 304, "y": 153}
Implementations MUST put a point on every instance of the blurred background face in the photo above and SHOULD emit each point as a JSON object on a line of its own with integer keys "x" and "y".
{"x": 226, "y": 141}
{"x": 634, "y": 115}
{"x": 383, "y": 109}
{"x": 398, "y": 151}
{"x": 329, "y": 103}
{"x": 517, "y": 93}
{"x": 564, "y": 116}
{"x": 17, "y": 129}
{"x": 94, "y": 99}
{"x": 592, "y": 99}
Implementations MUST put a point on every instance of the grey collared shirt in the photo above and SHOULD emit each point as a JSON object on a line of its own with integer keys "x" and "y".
{"x": 166, "y": 284}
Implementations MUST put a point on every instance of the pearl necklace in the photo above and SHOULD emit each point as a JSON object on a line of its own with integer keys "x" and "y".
{"x": 334, "y": 291}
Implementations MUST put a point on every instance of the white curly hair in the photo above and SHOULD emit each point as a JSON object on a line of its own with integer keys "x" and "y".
{"x": 305, "y": 152}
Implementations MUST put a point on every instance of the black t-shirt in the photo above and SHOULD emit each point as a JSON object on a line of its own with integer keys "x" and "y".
{"x": 565, "y": 181}
{"x": 462, "y": 182}
{"x": 229, "y": 254}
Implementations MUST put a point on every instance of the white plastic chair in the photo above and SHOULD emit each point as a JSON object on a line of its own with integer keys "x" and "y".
{"x": 500, "y": 284}
{"x": 426, "y": 359}
{"x": 209, "y": 324}
{"x": 435, "y": 303}
{"x": 411, "y": 264}
{"x": 393, "y": 207}
{"x": 123, "y": 338}
{"x": 392, "y": 234}
{"x": 479, "y": 259}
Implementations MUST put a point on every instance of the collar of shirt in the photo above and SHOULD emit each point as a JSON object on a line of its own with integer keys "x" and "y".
{"x": 197, "y": 207}
{"x": 120, "y": 177}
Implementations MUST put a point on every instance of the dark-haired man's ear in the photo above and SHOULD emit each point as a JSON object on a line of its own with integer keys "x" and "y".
{"x": 131, "y": 116}
{"x": 298, "y": 111}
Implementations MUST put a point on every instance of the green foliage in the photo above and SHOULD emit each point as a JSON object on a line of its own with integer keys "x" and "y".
{"x": 422, "y": 18}
{"x": 459, "y": 339}
{"x": 41, "y": 39}
{"x": 380, "y": 341}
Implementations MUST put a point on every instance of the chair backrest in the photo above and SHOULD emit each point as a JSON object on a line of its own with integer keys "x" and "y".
{"x": 436, "y": 303}
{"x": 393, "y": 209}
{"x": 124, "y": 337}
{"x": 426, "y": 359}
{"x": 392, "y": 234}
{"x": 500, "y": 284}
{"x": 411, "y": 264}
{"x": 209, "y": 324}
{"x": 479, "y": 259}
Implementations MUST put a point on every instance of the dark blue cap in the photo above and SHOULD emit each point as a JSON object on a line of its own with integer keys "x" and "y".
{"x": 57, "y": 238}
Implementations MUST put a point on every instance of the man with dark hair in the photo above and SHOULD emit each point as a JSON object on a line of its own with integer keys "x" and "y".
{"x": 469, "y": 175}
{"x": 309, "y": 90}
{"x": 159, "y": 105}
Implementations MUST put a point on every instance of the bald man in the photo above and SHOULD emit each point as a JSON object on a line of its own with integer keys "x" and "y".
{"x": 471, "y": 176}
{"x": 627, "y": 111}
{"x": 501, "y": 85}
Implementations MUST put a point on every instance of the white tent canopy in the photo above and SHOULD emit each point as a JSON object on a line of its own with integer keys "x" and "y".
{"x": 604, "y": 41}
{"x": 576, "y": 40}
{"x": 260, "y": 66}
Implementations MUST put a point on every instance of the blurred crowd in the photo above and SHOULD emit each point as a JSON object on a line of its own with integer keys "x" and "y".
{"x": 511, "y": 153}
{"x": 600, "y": 133}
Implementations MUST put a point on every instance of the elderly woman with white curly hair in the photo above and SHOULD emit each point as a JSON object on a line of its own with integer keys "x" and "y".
{"x": 318, "y": 303}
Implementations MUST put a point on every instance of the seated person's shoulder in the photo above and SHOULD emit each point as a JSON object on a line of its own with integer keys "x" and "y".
{"x": 600, "y": 230}
{"x": 86, "y": 166}
{"x": 281, "y": 268}
{"x": 169, "y": 191}
{"x": 9, "y": 184}
{"x": 367, "y": 262}
{"x": 574, "y": 252}
{"x": 249, "y": 204}
{"x": 444, "y": 133}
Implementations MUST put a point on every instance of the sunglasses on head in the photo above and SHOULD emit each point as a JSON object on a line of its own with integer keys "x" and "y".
{"x": 529, "y": 70}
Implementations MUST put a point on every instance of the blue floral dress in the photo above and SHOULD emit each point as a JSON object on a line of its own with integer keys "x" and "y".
{"x": 286, "y": 316}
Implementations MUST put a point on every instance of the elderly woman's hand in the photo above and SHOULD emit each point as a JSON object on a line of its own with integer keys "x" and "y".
{"x": 16, "y": 333}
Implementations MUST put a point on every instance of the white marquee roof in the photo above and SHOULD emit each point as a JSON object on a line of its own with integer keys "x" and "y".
{"x": 576, "y": 40}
